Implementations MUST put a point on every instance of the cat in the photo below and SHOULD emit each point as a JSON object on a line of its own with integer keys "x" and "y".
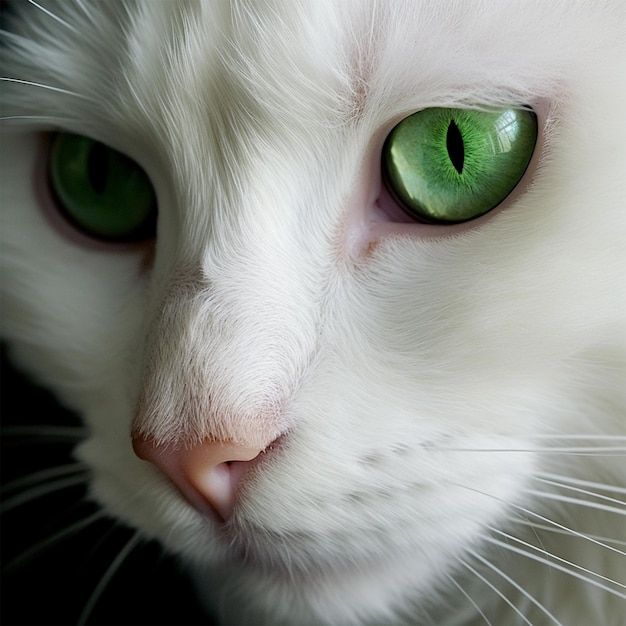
{"x": 337, "y": 288}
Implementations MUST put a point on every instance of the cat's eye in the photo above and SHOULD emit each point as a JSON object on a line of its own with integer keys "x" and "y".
{"x": 102, "y": 192}
{"x": 446, "y": 166}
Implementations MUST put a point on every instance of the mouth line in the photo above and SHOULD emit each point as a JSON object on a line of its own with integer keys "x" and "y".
{"x": 292, "y": 559}
{"x": 280, "y": 557}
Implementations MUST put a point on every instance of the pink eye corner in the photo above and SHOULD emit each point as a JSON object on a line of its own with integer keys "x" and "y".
{"x": 442, "y": 171}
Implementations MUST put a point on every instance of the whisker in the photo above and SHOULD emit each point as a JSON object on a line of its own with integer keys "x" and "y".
{"x": 559, "y": 567}
{"x": 470, "y": 599}
{"x": 47, "y": 432}
{"x": 426, "y": 618}
{"x": 42, "y": 490}
{"x": 495, "y": 590}
{"x": 82, "y": 7}
{"x": 577, "y": 501}
{"x": 586, "y": 437}
{"x": 86, "y": 12}
{"x": 570, "y": 531}
{"x": 517, "y": 586}
{"x": 53, "y": 16}
{"x": 34, "y": 550}
{"x": 563, "y": 480}
{"x": 557, "y": 558}
{"x": 44, "y": 475}
{"x": 534, "y": 525}
{"x": 604, "y": 452}
{"x": 30, "y": 83}
{"x": 123, "y": 554}
{"x": 48, "y": 119}
{"x": 617, "y": 449}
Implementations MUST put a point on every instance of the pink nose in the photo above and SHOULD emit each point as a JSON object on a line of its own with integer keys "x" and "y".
{"x": 207, "y": 475}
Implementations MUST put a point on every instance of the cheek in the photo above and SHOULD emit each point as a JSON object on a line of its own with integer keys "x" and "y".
{"x": 65, "y": 297}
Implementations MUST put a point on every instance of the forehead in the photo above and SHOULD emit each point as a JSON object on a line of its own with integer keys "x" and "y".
{"x": 411, "y": 42}
{"x": 334, "y": 59}
{"x": 221, "y": 90}
{"x": 311, "y": 62}
{"x": 322, "y": 63}
{"x": 289, "y": 68}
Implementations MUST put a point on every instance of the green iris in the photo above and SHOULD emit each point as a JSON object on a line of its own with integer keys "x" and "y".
{"x": 446, "y": 166}
{"x": 102, "y": 192}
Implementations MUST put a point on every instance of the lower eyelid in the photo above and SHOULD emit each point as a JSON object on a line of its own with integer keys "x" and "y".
{"x": 59, "y": 224}
{"x": 374, "y": 215}
{"x": 416, "y": 229}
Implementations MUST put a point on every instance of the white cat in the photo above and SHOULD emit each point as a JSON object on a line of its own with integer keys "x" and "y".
{"x": 379, "y": 375}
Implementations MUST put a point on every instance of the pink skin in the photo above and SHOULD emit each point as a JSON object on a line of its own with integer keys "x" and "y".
{"x": 207, "y": 474}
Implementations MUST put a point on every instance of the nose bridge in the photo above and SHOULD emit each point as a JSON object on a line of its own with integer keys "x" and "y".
{"x": 236, "y": 311}
{"x": 217, "y": 368}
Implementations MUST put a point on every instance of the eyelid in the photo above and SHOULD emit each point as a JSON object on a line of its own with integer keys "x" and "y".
{"x": 58, "y": 223}
{"x": 372, "y": 215}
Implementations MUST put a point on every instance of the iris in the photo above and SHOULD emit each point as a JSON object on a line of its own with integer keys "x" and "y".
{"x": 101, "y": 191}
{"x": 446, "y": 166}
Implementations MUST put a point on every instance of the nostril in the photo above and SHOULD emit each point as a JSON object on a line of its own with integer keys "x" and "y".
{"x": 208, "y": 474}
{"x": 217, "y": 483}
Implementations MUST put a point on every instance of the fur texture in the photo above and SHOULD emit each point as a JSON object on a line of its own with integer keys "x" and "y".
{"x": 450, "y": 401}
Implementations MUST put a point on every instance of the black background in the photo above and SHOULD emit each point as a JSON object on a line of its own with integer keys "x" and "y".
{"x": 52, "y": 584}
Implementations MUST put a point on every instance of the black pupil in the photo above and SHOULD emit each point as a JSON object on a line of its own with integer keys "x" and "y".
{"x": 454, "y": 144}
{"x": 98, "y": 167}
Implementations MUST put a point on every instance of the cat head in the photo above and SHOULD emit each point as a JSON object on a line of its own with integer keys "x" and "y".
{"x": 400, "y": 381}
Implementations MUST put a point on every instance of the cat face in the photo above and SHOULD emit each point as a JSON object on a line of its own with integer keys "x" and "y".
{"x": 402, "y": 384}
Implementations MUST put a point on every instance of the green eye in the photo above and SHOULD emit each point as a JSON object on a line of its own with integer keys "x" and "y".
{"x": 102, "y": 192}
{"x": 448, "y": 166}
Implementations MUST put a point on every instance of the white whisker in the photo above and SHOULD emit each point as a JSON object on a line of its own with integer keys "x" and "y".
{"x": 82, "y": 7}
{"x": 470, "y": 599}
{"x": 41, "y": 546}
{"x": 46, "y": 432}
{"x": 565, "y": 480}
{"x": 604, "y": 452}
{"x": 547, "y": 520}
{"x": 544, "y": 527}
{"x": 570, "y": 531}
{"x": 107, "y": 576}
{"x": 86, "y": 12}
{"x": 559, "y": 567}
{"x": 43, "y": 490}
{"x": 577, "y": 501}
{"x": 48, "y": 119}
{"x": 495, "y": 590}
{"x": 517, "y": 586}
{"x": 53, "y": 16}
{"x": 44, "y": 475}
{"x": 30, "y": 83}
{"x": 578, "y": 436}
{"x": 617, "y": 449}
{"x": 557, "y": 558}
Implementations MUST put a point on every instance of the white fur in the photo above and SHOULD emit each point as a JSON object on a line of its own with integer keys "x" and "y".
{"x": 426, "y": 381}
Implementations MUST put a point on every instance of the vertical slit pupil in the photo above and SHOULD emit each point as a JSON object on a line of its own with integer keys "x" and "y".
{"x": 98, "y": 167}
{"x": 455, "y": 147}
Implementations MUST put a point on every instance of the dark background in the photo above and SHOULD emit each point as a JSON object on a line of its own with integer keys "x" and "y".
{"x": 51, "y": 584}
